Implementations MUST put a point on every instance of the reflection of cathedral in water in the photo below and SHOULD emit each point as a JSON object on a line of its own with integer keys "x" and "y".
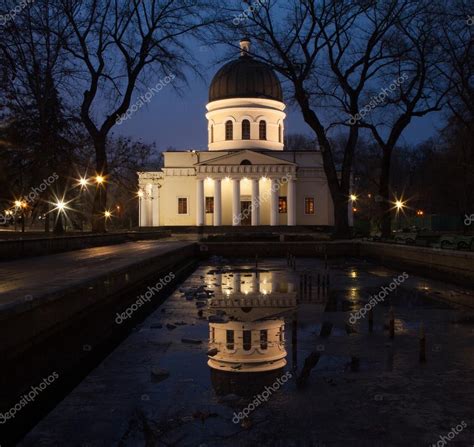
{"x": 247, "y": 327}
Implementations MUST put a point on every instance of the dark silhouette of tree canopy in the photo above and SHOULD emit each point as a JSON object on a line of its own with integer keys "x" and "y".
{"x": 119, "y": 45}
{"x": 330, "y": 53}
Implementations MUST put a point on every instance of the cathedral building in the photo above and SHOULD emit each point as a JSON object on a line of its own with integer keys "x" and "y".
{"x": 245, "y": 177}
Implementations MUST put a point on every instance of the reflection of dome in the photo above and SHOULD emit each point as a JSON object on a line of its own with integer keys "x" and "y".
{"x": 242, "y": 384}
{"x": 245, "y": 78}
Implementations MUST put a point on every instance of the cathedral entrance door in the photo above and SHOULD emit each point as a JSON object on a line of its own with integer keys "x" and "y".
{"x": 246, "y": 212}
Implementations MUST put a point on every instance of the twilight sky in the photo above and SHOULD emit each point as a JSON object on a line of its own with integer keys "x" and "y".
{"x": 178, "y": 120}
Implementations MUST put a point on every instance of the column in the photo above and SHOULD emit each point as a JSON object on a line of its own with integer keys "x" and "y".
{"x": 217, "y": 203}
{"x": 145, "y": 206}
{"x": 200, "y": 202}
{"x": 236, "y": 217}
{"x": 255, "y": 203}
{"x": 291, "y": 202}
{"x": 155, "y": 206}
{"x": 274, "y": 189}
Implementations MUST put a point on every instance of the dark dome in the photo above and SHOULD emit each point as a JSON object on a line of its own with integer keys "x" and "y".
{"x": 245, "y": 78}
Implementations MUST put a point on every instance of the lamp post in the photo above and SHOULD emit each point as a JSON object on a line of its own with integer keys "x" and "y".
{"x": 107, "y": 216}
{"x": 140, "y": 195}
{"x": 399, "y": 206}
{"x": 21, "y": 205}
{"x": 83, "y": 182}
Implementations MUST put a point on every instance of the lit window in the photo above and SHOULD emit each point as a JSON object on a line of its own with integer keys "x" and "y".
{"x": 245, "y": 130}
{"x": 282, "y": 205}
{"x": 309, "y": 205}
{"x": 213, "y": 334}
{"x": 182, "y": 205}
{"x": 230, "y": 339}
{"x": 247, "y": 336}
{"x": 263, "y": 130}
{"x": 229, "y": 130}
{"x": 209, "y": 205}
{"x": 263, "y": 339}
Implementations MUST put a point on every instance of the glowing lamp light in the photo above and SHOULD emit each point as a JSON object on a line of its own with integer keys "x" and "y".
{"x": 83, "y": 182}
{"x": 18, "y": 203}
{"x": 353, "y": 197}
{"x": 420, "y": 213}
{"x": 399, "y": 205}
{"x": 354, "y": 210}
{"x": 140, "y": 193}
{"x": 107, "y": 214}
{"x": 100, "y": 179}
{"x": 60, "y": 206}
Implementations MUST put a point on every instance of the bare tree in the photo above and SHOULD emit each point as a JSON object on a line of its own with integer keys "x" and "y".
{"x": 121, "y": 45}
{"x": 410, "y": 87}
{"x": 329, "y": 52}
{"x": 37, "y": 133}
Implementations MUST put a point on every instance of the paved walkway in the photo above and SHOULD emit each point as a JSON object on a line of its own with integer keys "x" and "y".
{"x": 27, "y": 279}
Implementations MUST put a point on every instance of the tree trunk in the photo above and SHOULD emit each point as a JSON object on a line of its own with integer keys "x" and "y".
{"x": 341, "y": 218}
{"x": 384, "y": 192}
{"x": 339, "y": 194}
{"x": 58, "y": 226}
{"x": 100, "y": 197}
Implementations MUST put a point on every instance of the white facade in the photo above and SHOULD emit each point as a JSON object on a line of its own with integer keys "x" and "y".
{"x": 245, "y": 178}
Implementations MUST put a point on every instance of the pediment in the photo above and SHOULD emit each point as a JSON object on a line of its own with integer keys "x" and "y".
{"x": 255, "y": 158}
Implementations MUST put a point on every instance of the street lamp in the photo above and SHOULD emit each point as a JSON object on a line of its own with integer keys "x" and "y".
{"x": 60, "y": 206}
{"x": 100, "y": 179}
{"x": 399, "y": 205}
{"x": 353, "y": 197}
{"x": 83, "y": 182}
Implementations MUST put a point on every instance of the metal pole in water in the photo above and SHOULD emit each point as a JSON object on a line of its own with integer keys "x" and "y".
{"x": 392, "y": 323}
{"x": 294, "y": 341}
{"x": 422, "y": 343}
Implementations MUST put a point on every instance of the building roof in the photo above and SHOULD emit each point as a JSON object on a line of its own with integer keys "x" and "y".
{"x": 245, "y": 78}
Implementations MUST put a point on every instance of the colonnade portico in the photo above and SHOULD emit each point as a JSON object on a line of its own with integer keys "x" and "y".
{"x": 276, "y": 184}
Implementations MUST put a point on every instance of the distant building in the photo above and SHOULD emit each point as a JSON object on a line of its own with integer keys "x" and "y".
{"x": 245, "y": 178}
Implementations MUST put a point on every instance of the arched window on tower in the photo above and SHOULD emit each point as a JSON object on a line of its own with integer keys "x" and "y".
{"x": 212, "y": 133}
{"x": 245, "y": 130}
{"x": 279, "y": 133}
{"x": 263, "y": 130}
{"x": 229, "y": 130}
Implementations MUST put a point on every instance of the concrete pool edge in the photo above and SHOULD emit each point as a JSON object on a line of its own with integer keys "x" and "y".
{"x": 456, "y": 267}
